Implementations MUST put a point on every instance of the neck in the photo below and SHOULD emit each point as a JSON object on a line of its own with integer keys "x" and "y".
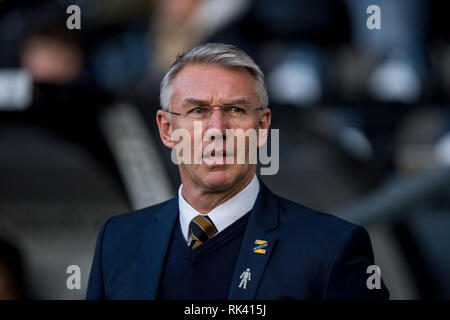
{"x": 205, "y": 201}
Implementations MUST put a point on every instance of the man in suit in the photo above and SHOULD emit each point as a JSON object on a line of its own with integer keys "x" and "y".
{"x": 226, "y": 235}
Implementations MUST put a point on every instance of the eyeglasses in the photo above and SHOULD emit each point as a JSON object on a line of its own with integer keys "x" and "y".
{"x": 234, "y": 112}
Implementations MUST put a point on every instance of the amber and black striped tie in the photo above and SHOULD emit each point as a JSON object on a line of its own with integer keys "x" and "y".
{"x": 202, "y": 228}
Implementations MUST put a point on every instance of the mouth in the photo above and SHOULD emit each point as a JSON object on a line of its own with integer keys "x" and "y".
{"x": 217, "y": 157}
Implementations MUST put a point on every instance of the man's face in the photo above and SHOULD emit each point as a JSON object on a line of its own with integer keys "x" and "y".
{"x": 214, "y": 86}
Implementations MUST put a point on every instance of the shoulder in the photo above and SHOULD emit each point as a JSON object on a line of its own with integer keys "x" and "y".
{"x": 316, "y": 231}
{"x": 315, "y": 221}
{"x": 328, "y": 243}
{"x": 134, "y": 222}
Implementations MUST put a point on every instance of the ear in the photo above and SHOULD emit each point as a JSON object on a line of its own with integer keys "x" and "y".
{"x": 165, "y": 128}
{"x": 264, "y": 123}
{"x": 265, "y": 118}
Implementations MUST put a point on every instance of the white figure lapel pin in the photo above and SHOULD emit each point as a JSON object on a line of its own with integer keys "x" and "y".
{"x": 245, "y": 276}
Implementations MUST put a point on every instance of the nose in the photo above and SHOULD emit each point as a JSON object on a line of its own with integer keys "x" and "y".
{"x": 216, "y": 124}
{"x": 217, "y": 120}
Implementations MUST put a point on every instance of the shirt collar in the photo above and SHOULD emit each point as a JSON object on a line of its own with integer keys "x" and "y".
{"x": 223, "y": 215}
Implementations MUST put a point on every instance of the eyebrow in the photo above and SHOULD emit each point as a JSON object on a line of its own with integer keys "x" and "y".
{"x": 198, "y": 102}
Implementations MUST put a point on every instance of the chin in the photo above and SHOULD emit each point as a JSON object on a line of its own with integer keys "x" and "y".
{"x": 219, "y": 180}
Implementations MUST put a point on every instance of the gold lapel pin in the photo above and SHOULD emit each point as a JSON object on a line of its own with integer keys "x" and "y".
{"x": 260, "y": 245}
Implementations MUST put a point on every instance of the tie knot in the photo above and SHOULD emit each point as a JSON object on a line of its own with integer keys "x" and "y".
{"x": 202, "y": 228}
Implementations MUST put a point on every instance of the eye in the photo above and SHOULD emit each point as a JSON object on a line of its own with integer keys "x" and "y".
{"x": 235, "y": 109}
{"x": 198, "y": 110}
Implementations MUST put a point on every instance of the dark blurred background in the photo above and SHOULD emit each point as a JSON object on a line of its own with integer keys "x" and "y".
{"x": 363, "y": 116}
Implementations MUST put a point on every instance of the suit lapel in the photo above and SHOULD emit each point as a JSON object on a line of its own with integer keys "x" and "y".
{"x": 154, "y": 247}
{"x": 263, "y": 218}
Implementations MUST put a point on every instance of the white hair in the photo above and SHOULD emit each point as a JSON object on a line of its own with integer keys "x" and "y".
{"x": 224, "y": 55}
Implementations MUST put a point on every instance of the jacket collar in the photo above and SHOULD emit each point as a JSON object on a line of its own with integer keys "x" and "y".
{"x": 153, "y": 250}
{"x": 263, "y": 219}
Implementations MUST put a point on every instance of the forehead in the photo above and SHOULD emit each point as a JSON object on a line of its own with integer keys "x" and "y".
{"x": 213, "y": 82}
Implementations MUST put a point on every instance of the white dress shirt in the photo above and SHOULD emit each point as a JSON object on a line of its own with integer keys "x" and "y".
{"x": 223, "y": 215}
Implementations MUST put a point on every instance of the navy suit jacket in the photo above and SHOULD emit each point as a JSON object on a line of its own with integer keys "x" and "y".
{"x": 310, "y": 255}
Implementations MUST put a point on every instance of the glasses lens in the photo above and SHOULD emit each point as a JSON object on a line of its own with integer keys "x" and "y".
{"x": 237, "y": 112}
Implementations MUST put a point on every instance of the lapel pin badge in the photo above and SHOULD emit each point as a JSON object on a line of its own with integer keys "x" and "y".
{"x": 245, "y": 277}
{"x": 260, "y": 246}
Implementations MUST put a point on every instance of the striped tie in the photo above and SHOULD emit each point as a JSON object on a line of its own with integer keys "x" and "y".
{"x": 202, "y": 228}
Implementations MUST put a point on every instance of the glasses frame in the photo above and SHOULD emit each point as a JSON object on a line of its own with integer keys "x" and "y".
{"x": 184, "y": 114}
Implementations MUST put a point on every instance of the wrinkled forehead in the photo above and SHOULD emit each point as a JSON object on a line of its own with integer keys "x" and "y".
{"x": 211, "y": 82}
